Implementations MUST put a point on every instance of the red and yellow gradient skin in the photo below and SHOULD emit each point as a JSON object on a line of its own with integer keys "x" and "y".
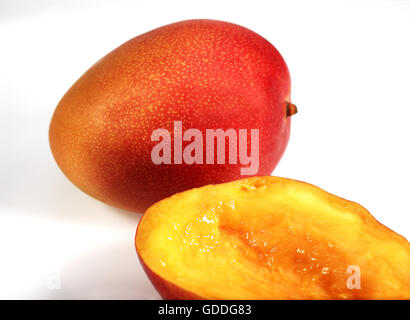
{"x": 207, "y": 74}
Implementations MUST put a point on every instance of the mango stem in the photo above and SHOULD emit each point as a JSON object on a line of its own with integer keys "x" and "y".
{"x": 291, "y": 109}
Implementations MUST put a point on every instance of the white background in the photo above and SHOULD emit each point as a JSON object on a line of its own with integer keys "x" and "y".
{"x": 350, "y": 67}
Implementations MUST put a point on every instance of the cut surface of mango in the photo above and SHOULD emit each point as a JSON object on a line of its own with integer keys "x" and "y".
{"x": 270, "y": 238}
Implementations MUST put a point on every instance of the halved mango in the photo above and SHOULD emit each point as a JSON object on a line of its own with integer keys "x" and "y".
{"x": 270, "y": 238}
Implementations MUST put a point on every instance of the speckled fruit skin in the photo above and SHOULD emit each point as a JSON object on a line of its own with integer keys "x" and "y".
{"x": 208, "y": 74}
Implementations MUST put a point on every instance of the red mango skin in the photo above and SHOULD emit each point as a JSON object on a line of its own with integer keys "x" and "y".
{"x": 208, "y": 74}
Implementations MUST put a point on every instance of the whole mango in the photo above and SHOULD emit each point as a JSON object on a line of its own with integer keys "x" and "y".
{"x": 203, "y": 76}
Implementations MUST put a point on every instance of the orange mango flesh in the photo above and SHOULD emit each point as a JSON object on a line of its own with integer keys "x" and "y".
{"x": 269, "y": 238}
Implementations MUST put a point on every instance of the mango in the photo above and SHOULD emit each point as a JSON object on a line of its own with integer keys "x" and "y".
{"x": 197, "y": 74}
{"x": 270, "y": 238}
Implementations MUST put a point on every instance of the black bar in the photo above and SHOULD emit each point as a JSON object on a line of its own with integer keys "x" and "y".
{"x": 244, "y": 309}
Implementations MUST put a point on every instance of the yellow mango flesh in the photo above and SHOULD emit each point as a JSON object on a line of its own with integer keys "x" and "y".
{"x": 270, "y": 238}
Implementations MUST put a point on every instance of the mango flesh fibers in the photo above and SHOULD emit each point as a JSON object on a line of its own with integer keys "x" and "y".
{"x": 270, "y": 238}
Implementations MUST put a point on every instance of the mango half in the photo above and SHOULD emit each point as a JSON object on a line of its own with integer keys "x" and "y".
{"x": 270, "y": 238}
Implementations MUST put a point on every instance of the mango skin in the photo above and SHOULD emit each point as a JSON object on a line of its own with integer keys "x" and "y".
{"x": 269, "y": 238}
{"x": 207, "y": 74}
